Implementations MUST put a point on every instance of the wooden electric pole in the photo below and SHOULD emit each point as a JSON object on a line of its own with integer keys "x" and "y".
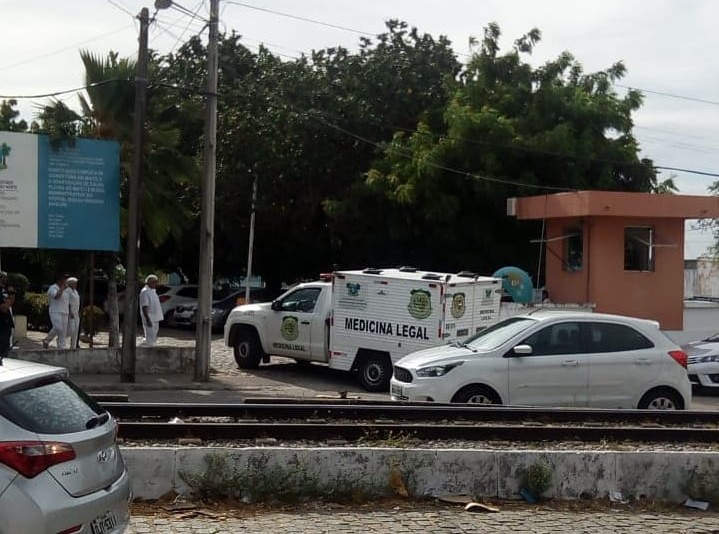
{"x": 129, "y": 330}
{"x": 204, "y": 301}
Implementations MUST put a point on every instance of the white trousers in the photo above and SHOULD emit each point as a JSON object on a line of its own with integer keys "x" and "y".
{"x": 73, "y": 329}
{"x": 150, "y": 333}
{"x": 59, "y": 329}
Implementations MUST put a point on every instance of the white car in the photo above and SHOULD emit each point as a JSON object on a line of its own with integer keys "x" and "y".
{"x": 703, "y": 363}
{"x": 552, "y": 358}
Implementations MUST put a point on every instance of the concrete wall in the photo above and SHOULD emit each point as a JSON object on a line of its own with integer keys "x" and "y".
{"x": 107, "y": 360}
{"x": 424, "y": 472}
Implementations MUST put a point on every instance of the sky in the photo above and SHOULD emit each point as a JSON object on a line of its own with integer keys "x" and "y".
{"x": 668, "y": 47}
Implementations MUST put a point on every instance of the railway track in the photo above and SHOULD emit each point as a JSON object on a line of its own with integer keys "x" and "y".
{"x": 351, "y": 421}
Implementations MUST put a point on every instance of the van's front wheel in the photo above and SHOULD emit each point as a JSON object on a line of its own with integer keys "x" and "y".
{"x": 374, "y": 372}
{"x": 247, "y": 350}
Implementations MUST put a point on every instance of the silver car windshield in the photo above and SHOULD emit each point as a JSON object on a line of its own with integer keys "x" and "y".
{"x": 498, "y": 334}
{"x": 713, "y": 338}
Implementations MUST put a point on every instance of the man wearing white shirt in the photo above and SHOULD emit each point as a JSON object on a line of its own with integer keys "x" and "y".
{"x": 73, "y": 321}
{"x": 150, "y": 310}
{"x": 59, "y": 308}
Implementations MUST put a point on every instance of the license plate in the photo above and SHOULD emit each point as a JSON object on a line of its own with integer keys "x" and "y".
{"x": 104, "y": 523}
{"x": 396, "y": 390}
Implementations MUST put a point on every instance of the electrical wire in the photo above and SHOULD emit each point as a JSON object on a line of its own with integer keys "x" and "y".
{"x": 303, "y": 19}
{"x": 670, "y": 95}
{"x": 194, "y": 17}
{"x": 121, "y": 8}
{"x": 61, "y": 50}
{"x": 409, "y": 155}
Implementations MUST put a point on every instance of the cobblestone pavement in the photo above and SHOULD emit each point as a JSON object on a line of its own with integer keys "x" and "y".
{"x": 430, "y": 520}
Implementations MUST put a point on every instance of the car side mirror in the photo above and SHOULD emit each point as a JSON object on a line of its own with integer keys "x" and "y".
{"x": 522, "y": 350}
{"x": 276, "y": 305}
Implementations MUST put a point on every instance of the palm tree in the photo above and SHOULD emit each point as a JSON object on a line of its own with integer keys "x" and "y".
{"x": 107, "y": 113}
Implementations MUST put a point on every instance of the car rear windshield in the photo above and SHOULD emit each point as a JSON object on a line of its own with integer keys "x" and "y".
{"x": 54, "y": 407}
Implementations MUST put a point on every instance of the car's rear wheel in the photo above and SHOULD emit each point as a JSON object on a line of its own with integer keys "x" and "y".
{"x": 661, "y": 399}
{"x": 247, "y": 350}
{"x": 476, "y": 395}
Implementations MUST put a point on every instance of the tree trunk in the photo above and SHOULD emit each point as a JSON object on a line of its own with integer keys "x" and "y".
{"x": 113, "y": 309}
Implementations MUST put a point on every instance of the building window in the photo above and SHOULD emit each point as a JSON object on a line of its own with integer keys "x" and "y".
{"x": 573, "y": 250}
{"x": 638, "y": 249}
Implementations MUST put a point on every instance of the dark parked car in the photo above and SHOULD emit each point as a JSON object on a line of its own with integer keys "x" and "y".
{"x": 186, "y": 314}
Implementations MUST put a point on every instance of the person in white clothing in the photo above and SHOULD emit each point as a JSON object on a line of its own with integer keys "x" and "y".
{"x": 59, "y": 308}
{"x": 73, "y": 320}
{"x": 150, "y": 310}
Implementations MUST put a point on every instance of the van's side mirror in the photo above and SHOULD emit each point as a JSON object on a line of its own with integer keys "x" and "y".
{"x": 522, "y": 350}
{"x": 276, "y": 305}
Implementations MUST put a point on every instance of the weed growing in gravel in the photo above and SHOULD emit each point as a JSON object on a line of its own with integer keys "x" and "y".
{"x": 536, "y": 478}
{"x": 260, "y": 482}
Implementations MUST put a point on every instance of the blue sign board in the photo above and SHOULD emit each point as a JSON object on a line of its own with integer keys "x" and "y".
{"x": 65, "y": 197}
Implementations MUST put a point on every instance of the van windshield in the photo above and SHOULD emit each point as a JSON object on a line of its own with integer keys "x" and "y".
{"x": 498, "y": 334}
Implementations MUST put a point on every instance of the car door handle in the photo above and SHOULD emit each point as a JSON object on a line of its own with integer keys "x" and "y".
{"x": 305, "y": 322}
{"x": 570, "y": 363}
{"x": 643, "y": 361}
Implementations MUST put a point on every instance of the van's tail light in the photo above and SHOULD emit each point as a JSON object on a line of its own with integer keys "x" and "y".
{"x": 679, "y": 356}
{"x": 30, "y": 458}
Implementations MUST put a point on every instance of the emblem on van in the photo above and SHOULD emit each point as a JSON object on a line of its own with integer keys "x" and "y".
{"x": 420, "y": 303}
{"x": 290, "y": 328}
{"x": 458, "y": 305}
{"x": 353, "y": 289}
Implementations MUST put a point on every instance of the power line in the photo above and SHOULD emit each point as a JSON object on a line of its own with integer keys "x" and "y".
{"x": 121, "y": 8}
{"x": 670, "y": 95}
{"x": 194, "y": 17}
{"x": 409, "y": 155}
{"x": 303, "y": 19}
{"x": 59, "y": 51}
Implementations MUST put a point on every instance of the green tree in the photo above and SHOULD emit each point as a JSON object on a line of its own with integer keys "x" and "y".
{"x": 509, "y": 130}
{"x": 9, "y": 116}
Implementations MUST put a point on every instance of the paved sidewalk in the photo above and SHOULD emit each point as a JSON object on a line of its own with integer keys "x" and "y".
{"x": 430, "y": 520}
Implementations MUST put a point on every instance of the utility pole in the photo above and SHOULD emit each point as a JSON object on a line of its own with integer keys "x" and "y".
{"x": 129, "y": 330}
{"x": 251, "y": 240}
{"x": 207, "y": 224}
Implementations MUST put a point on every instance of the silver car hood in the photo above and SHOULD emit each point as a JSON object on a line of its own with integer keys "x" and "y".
{"x": 437, "y": 356}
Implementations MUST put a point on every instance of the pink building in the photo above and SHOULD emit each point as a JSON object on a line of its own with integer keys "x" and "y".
{"x": 622, "y": 251}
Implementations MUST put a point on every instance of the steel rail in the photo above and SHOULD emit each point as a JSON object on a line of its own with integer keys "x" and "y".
{"x": 411, "y": 412}
{"x": 373, "y": 432}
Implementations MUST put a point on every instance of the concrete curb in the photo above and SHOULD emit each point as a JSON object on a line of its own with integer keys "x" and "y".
{"x": 155, "y": 471}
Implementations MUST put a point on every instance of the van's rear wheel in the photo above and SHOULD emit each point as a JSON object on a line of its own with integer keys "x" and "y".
{"x": 375, "y": 372}
{"x": 247, "y": 350}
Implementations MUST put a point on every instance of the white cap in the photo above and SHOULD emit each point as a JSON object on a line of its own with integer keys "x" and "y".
{"x": 71, "y": 279}
{"x": 150, "y": 277}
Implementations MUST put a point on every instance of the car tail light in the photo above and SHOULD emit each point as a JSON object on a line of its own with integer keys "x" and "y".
{"x": 30, "y": 458}
{"x": 70, "y": 530}
{"x": 679, "y": 356}
{"x": 164, "y": 298}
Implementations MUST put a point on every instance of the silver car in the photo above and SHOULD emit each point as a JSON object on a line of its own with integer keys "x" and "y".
{"x": 60, "y": 466}
{"x": 703, "y": 362}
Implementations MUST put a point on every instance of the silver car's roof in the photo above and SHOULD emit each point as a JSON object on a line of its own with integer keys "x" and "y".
{"x": 16, "y": 372}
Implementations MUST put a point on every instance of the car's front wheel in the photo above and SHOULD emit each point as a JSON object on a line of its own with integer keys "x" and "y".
{"x": 661, "y": 399}
{"x": 476, "y": 395}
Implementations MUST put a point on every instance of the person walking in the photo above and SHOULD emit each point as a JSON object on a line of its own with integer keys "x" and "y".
{"x": 7, "y": 299}
{"x": 73, "y": 320}
{"x": 59, "y": 307}
{"x": 150, "y": 310}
